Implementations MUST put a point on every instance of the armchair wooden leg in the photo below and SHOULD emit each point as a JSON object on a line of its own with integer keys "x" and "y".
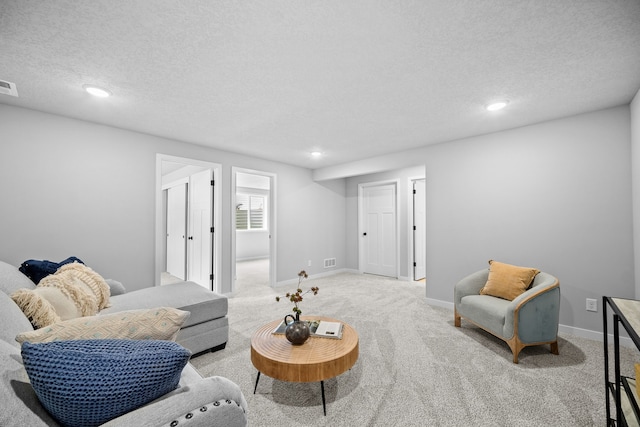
{"x": 554, "y": 348}
{"x": 516, "y": 346}
{"x": 456, "y": 318}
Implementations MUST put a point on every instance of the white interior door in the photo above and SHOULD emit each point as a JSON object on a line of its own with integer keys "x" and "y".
{"x": 177, "y": 230}
{"x": 419, "y": 232}
{"x": 200, "y": 265}
{"x": 379, "y": 231}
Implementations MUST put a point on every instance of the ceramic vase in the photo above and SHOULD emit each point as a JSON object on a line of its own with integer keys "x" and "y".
{"x": 296, "y": 331}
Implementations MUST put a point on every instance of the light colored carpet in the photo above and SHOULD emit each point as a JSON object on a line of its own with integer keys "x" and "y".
{"x": 250, "y": 275}
{"x": 415, "y": 368}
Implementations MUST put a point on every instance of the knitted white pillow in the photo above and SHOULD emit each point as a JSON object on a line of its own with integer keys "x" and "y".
{"x": 74, "y": 290}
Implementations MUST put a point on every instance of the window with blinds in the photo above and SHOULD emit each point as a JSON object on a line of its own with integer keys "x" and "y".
{"x": 250, "y": 212}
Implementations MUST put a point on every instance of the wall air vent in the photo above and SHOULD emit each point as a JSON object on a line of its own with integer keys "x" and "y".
{"x": 8, "y": 88}
{"x": 329, "y": 262}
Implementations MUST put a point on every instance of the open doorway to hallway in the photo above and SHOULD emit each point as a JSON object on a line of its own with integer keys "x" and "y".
{"x": 254, "y": 220}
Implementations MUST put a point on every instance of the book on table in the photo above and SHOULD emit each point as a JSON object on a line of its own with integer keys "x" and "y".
{"x": 318, "y": 328}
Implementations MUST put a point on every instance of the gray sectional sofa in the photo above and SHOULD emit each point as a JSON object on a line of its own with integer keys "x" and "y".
{"x": 197, "y": 401}
{"x": 207, "y": 328}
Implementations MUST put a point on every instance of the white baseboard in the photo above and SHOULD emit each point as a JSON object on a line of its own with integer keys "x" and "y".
{"x": 571, "y": 330}
{"x": 440, "y": 303}
{"x": 317, "y": 276}
{"x": 254, "y": 258}
{"x": 333, "y": 272}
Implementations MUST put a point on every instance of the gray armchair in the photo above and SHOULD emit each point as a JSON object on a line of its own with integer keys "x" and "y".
{"x": 530, "y": 319}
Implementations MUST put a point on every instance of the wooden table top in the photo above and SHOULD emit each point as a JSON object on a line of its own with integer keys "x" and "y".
{"x": 317, "y": 359}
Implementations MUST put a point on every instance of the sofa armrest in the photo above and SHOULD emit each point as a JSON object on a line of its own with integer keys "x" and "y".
{"x": 211, "y": 401}
{"x": 470, "y": 285}
{"x": 535, "y": 313}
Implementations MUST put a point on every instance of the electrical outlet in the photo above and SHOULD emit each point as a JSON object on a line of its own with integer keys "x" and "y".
{"x": 592, "y": 304}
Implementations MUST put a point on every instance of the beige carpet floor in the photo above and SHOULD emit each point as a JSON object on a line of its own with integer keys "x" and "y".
{"x": 415, "y": 368}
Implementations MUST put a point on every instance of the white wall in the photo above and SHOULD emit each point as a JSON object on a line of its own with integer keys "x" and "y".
{"x": 555, "y": 195}
{"x": 77, "y": 188}
{"x": 252, "y": 244}
{"x": 635, "y": 173}
{"x": 317, "y": 235}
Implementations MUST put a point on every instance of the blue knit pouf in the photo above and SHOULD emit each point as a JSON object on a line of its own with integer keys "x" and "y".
{"x": 89, "y": 382}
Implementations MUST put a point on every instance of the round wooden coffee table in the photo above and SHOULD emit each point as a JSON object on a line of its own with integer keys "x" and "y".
{"x": 318, "y": 359}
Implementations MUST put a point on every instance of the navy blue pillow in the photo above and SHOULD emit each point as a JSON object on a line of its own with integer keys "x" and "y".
{"x": 37, "y": 270}
{"x": 89, "y": 382}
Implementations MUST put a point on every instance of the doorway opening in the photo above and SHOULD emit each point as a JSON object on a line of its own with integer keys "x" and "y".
{"x": 187, "y": 216}
{"x": 253, "y": 239}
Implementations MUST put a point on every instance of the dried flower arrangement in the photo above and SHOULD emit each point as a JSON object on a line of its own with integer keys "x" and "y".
{"x": 296, "y": 297}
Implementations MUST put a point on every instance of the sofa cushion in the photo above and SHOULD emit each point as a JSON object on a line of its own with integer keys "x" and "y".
{"x": 486, "y": 311}
{"x": 203, "y": 304}
{"x": 162, "y": 323}
{"x": 11, "y": 279}
{"x": 12, "y": 320}
{"x": 507, "y": 281}
{"x": 88, "y": 382}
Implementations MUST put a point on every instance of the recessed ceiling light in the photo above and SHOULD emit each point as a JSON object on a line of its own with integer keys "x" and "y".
{"x": 498, "y": 105}
{"x": 97, "y": 91}
{"x": 316, "y": 154}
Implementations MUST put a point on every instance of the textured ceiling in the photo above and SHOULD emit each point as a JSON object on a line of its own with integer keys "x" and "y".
{"x": 353, "y": 79}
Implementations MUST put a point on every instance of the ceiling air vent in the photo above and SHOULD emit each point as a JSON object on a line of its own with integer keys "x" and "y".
{"x": 8, "y": 88}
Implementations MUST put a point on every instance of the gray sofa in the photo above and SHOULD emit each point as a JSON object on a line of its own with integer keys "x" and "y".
{"x": 196, "y": 402}
{"x": 207, "y": 328}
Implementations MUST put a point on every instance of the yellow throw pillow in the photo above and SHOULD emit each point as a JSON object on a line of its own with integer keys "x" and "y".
{"x": 162, "y": 323}
{"x": 507, "y": 281}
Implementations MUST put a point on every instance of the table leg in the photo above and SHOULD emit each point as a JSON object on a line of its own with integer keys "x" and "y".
{"x": 256, "y": 387}
{"x": 324, "y": 405}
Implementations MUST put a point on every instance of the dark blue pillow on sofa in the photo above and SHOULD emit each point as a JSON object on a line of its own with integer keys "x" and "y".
{"x": 89, "y": 382}
{"x": 37, "y": 270}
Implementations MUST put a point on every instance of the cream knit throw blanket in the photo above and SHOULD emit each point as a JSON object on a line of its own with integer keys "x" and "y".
{"x": 72, "y": 291}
